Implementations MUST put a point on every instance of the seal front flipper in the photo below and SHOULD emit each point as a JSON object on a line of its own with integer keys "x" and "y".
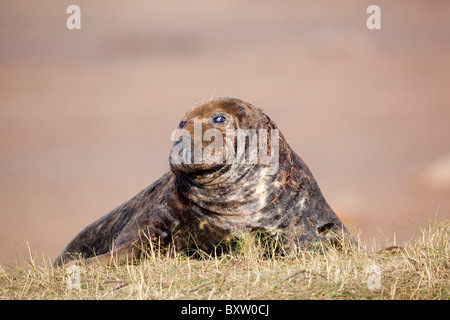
{"x": 315, "y": 231}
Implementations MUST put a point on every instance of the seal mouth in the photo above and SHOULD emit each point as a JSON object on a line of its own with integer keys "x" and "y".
{"x": 195, "y": 171}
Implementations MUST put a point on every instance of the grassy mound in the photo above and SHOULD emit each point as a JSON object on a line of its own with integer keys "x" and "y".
{"x": 420, "y": 271}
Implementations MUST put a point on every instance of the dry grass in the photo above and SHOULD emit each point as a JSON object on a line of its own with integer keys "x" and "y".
{"x": 421, "y": 271}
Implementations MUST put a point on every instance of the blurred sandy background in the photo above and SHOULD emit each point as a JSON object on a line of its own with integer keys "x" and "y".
{"x": 86, "y": 116}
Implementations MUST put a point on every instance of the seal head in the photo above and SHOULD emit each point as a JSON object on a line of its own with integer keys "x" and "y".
{"x": 225, "y": 179}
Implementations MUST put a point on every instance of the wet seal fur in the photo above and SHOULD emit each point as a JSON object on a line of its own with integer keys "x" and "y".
{"x": 200, "y": 206}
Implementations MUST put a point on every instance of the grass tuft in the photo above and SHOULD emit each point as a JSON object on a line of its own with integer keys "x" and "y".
{"x": 420, "y": 271}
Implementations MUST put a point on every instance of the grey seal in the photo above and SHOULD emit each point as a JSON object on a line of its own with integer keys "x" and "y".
{"x": 207, "y": 205}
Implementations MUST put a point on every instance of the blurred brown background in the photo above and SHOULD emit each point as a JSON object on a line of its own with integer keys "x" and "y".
{"x": 86, "y": 115}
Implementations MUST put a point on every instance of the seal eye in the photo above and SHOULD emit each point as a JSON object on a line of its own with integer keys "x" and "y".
{"x": 219, "y": 119}
{"x": 182, "y": 124}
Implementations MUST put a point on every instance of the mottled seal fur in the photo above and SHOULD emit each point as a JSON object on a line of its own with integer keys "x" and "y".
{"x": 200, "y": 206}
